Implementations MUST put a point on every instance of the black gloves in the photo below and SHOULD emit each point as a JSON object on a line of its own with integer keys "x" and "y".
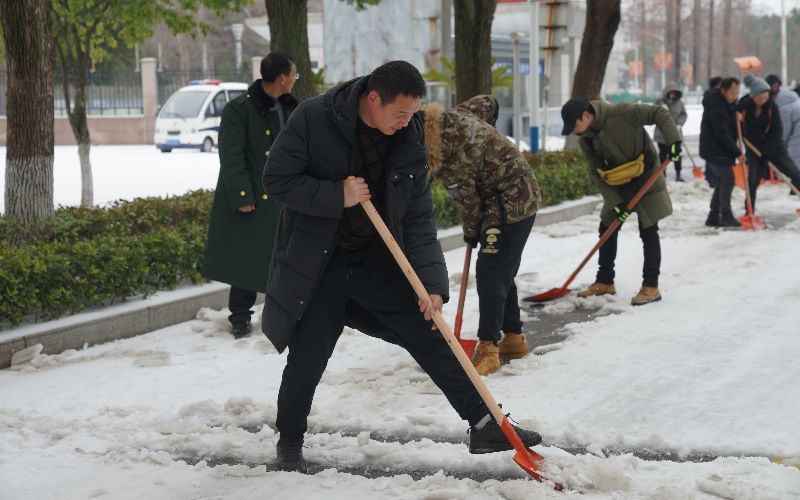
{"x": 622, "y": 211}
{"x": 473, "y": 242}
{"x": 675, "y": 151}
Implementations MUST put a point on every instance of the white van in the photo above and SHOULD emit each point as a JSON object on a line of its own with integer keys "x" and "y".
{"x": 190, "y": 118}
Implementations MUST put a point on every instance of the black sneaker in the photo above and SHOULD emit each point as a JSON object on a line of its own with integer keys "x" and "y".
{"x": 728, "y": 220}
{"x": 712, "y": 220}
{"x": 290, "y": 456}
{"x": 241, "y": 329}
{"x": 491, "y": 439}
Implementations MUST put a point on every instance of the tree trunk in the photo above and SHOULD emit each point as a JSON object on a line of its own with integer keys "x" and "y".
{"x": 710, "y": 40}
{"x": 602, "y": 20}
{"x": 80, "y": 129}
{"x": 696, "y": 42}
{"x": 669, "y": 37}
{"x": 726, "y": 38}
{"x": 676, "y": 73}
{"x": 473, "y": 44}
{"x": 288, "y": 28}
{"x": 30, "y": 136}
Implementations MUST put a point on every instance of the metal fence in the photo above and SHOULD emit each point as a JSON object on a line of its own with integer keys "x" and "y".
{"x": 107, "y": 94}
{"x": 170, "y": 81}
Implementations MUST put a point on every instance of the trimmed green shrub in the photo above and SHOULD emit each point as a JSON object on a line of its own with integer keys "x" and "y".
{"x": 84, "y": 257}
{"x": 562, "y": 176}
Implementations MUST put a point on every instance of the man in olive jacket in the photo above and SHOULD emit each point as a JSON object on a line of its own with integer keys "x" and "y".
{"x": 243, "y": 219}
{"x": 497, "y": 195}
{"x": 613, "y": 138}
{"x": 330, "y": 264}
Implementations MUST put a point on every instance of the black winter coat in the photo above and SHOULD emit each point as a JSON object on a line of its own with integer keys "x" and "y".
{"x": 307, "y": 166}
{"x": 718, "y": 135}
{"x": 766, "y": 131}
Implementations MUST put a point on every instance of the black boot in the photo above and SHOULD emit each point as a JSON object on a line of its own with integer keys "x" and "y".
{"x": 678, "y": 177}
{"x": 490, "y": 439}
{"x": 241, "y": 329}
{"x": 712, "y": 220}
{"x": 290, "y": 456}
{"x": 728, "y": 220}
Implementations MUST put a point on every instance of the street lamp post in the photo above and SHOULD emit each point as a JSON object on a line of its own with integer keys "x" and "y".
{"x": 238, "y": 30}
{"x": 516, "y": 37}
{"x": 533, "y": 95}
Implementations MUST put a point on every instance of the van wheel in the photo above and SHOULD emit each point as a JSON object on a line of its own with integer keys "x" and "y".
{"x": 166, "y": 151}
{"x": 207, "y": 145}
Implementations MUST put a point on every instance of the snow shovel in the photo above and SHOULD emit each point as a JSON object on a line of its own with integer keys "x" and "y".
{"x": 775, "y": 169}
{"x": 557, "y": 293}
{"x": 696, "y": 171}
{"x": 466, "y": 344}
{"x": 749, "y": 221}
{"x": 525, "y": 457}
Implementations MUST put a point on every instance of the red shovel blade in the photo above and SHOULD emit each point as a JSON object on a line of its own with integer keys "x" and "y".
{"x": 698, "y": 174}
{"x": 752, "y": 222}
{"x": 525, "y": 457}
{"x": 555, "y": 293}
{"x": 468, "y": 346}
{"x": 798, "y": 211}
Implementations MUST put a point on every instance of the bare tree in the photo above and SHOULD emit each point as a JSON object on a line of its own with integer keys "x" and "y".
{"x": 29, "y": 154}
{"x": 726, "y": 34}
{"x": 710, "y": 47}
{"x": 473, "y": 30}
{"x": 602, "y": 21}
{"x": 696, "y": 39}
{"x": 288, "y": 29}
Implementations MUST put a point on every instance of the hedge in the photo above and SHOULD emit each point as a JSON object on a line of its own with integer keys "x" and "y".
{"x": 562, "y": 175}
{"x": 85, "y": 257}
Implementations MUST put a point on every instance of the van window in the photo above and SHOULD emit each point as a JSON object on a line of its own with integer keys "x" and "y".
{"x": 219, "y": 103}
{"x": 183, "y": 105}
{"x": 233, "y": 94}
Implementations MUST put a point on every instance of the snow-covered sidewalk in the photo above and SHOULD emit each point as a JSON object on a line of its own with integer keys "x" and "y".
{"x": 711, "y": 369}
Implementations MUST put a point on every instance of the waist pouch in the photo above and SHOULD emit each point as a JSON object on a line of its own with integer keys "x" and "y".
{"x": 623, "y": 173}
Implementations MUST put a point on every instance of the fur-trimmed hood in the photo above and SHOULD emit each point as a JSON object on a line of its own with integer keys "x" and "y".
{"x": 433, "y": 113}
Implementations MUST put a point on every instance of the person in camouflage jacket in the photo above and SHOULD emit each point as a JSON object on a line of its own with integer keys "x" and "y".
{"x": 498, "y": 196}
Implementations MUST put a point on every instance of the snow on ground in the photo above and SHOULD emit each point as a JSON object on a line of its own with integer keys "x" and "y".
{"x": 187, "y": 412}
{"x": 128, "y": 172}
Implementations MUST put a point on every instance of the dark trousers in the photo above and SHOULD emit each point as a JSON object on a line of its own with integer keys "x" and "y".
{"x": 498, "y": 264}
{"x": 652, "y": 255}
{"x": 239, "y": 302}
{"x": 758, "y": 169}
{"x": 710, "y": 177}
{"x": 721, "y": 199}
{"x": 379, "y": 286}
{"x": 663, "y": 152}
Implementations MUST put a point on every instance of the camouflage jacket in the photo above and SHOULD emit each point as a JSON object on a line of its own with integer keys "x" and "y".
{"x": 484, "y": 173}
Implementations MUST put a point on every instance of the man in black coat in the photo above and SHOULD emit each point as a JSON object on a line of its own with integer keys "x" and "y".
{"x": 718, "y": 148}
{"x": 330, "y": 267}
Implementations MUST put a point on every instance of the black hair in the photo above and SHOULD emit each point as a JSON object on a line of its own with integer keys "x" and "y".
{"x": 770, "y": 79}
{"x": 395, "y": 78}
{"x": 274, "y": 65}
{"x": 714, "y": 82}
{"x": 727, "y": 83}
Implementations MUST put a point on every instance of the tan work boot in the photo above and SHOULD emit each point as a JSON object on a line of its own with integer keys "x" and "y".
{"x": 513, "y": 346}
{"x": 598, "y": 289}
{"x": 646, "y": 295}
{"x": 487, "y": 357}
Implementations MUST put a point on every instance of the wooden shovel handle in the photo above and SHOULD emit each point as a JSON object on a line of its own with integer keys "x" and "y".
{"x": 462, "y": 294}
{"x": 420, "y": 290}
{"x": 773, "y": 167}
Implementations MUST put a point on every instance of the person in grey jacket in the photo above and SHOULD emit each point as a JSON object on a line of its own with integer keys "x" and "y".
{"x": 672, "y": 101}
{"x": 789, "y": 105}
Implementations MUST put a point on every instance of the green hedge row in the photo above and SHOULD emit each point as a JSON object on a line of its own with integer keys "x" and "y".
{"x": 562, "y": 175}
{"x": 83, "y": 257}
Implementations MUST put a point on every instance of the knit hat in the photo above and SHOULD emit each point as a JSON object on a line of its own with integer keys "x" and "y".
{"x": 758, "y": 86}
{"x": 772, "y": 79}
{"x": 747, "y": 80}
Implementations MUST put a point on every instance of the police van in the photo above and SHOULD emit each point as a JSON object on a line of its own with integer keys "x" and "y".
{"x": 190, "y": 118}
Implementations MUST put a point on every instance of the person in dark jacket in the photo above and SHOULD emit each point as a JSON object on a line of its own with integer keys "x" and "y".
{"x": 763, "y": 127}
{"x": 243, "y": 219}
{"x": 713, "y": 85}
{"x": 329, "y": 261}
{"x": 719, "y": 149}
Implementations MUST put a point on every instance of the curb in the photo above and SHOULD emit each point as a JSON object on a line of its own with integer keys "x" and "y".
{"x": 453, "y": 238}
{"x": 137, "y": 317}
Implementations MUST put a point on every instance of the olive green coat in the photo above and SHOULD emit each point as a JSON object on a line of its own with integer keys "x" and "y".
{"x": 616, "y": 137}
{"x": 239, "y": 246}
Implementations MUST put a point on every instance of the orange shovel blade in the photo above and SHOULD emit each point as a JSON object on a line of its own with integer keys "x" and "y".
{"x": 525, "y": 457}
{"x": 798, "y": 211}
{"x": 698, "y": 174}
{"x": 555, "y": 293}
{"x": 468, "y": 346}
{"x": 752, "y": 222}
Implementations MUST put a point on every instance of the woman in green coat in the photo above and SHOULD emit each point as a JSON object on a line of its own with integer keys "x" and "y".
{"x": 621, "y": 158}
{"x": 243, "y": 219}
